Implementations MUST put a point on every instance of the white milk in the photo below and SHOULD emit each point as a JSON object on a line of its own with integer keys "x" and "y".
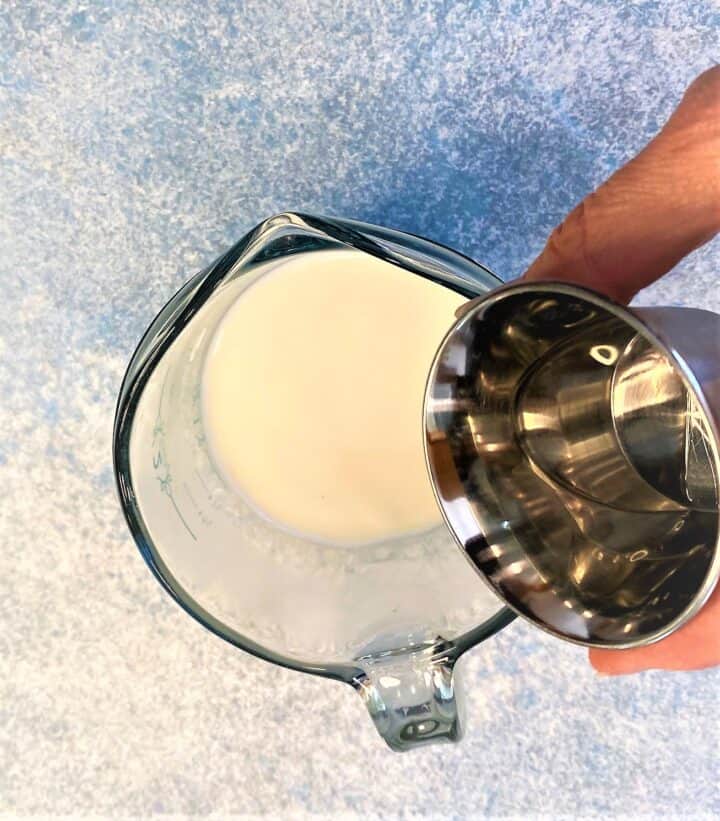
{"x": 312, "y": 395}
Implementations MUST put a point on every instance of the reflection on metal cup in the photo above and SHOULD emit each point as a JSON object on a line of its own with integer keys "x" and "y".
{"x": 573, "y": 447}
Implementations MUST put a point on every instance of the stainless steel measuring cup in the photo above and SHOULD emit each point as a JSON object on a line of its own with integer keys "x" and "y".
{"x": 573, "y": 447}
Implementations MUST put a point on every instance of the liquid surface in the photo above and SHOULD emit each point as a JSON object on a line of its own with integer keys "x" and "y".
{"x": 312, "y": 394}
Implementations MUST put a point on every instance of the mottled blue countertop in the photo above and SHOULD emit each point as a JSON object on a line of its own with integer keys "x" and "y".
{"x": 137, "y": 140}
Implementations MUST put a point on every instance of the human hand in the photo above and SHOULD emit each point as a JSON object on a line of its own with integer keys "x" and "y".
{"x": 652, "y": 212}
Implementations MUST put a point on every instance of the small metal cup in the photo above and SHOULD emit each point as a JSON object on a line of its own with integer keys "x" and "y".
{"x": 573, "y": 448}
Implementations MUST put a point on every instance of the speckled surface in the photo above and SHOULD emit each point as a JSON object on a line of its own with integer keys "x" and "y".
{"x": 137, "y": 140}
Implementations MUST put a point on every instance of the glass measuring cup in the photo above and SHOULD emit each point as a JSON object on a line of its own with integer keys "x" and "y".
{"x": 392, "y": 618}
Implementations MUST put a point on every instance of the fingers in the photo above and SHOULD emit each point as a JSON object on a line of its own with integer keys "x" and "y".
{"x": 694, "y": 646}
{"x": 652, "y": 212}
{"x": 636, "y": 227}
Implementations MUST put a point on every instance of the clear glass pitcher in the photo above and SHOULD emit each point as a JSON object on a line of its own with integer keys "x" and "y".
{"x": 390, "y": 619}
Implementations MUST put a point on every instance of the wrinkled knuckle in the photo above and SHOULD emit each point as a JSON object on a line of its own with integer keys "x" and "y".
{"x": 579, "y": 231}
{"x": 574, "y": 245}
{"x": 696, "y": 139}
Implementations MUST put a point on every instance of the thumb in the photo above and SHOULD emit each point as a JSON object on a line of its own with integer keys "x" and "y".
{"x": 652, "y": 212}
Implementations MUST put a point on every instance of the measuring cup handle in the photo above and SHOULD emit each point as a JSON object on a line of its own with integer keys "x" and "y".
{"x": 412, "y": 699}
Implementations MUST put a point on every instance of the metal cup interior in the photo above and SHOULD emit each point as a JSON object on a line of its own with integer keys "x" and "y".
{"x": 575, "y": 464}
